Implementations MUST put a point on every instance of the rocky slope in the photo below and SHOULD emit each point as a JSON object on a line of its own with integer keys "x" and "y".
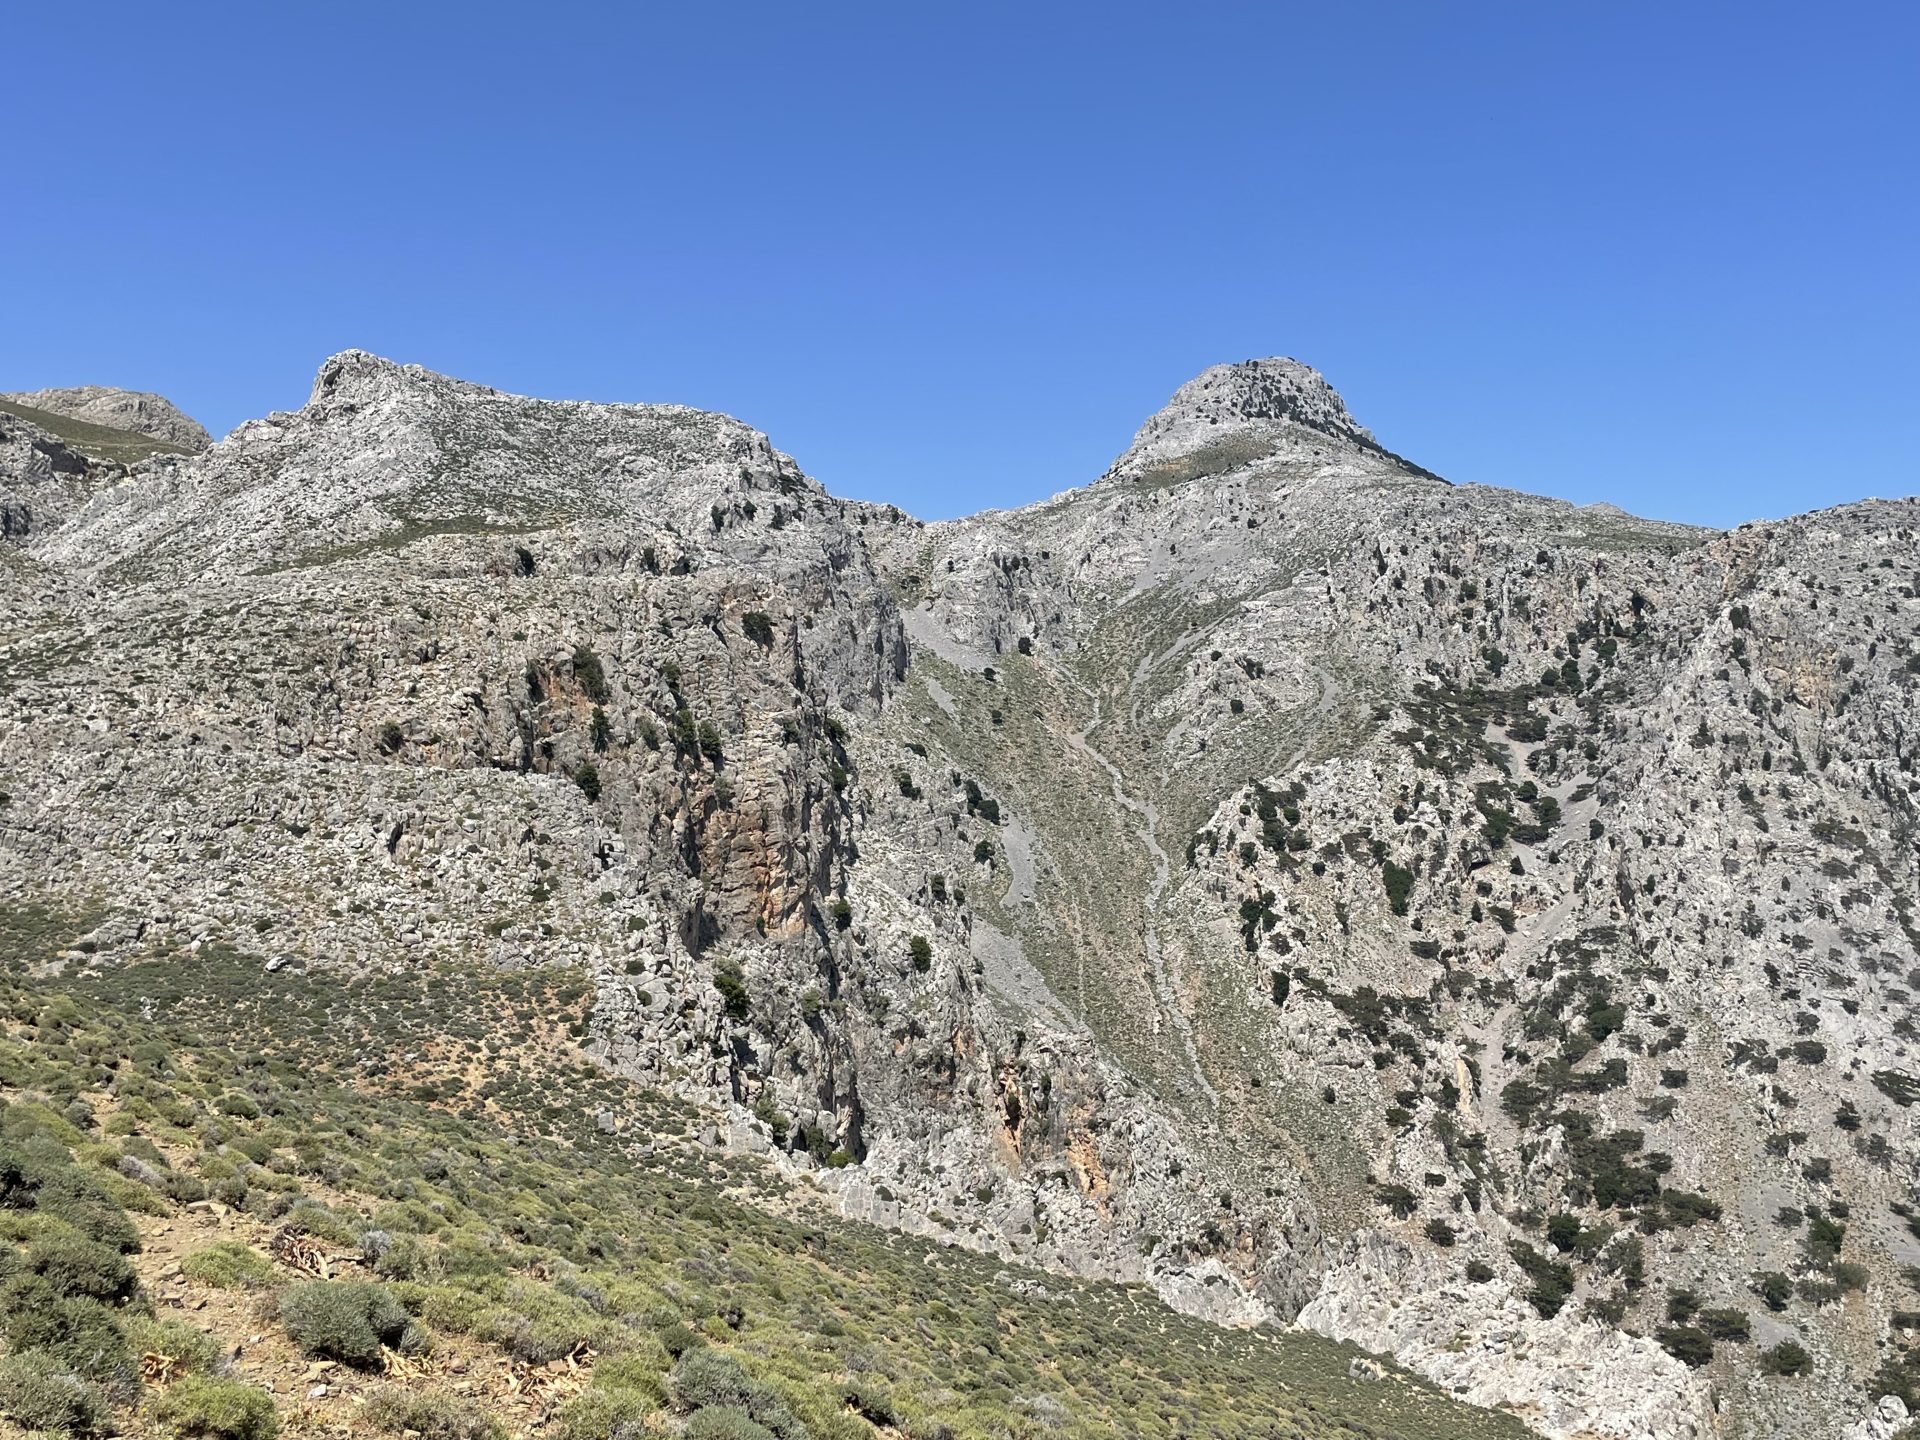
{"x": 136, "y": 411}
{"x": 1443, "y": 918}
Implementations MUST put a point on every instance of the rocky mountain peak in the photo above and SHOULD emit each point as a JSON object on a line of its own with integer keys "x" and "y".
{"x": 359, "y": 377}
{"x": 1278, "y": 389}
{"x": 138, "y": 412}
{"x": 1232, "y": 415}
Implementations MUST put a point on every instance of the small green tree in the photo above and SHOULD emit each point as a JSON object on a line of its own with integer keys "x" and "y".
{"x": 591, "y": 674}
{"x": 599, "y": 729}
{"x": 1726, "y": 1324}
{"x": 1399, "y": 882}
{"x": 587, "y": 777}
{"x": 921, "y": 953}
{"x": 1789, "y": 1357}
{"x": 731, "y": 982}
{"x": 1775, "y": 1289}
{"x": 1688, "y": 1344}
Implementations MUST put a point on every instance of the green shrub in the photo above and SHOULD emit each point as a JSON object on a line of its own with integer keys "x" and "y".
{"x": 194, "y": 1351}
{"x": 1789, "y": 1357}
{"x": 591, "y": 674}
{"x": 37, "y": 1392}
{"x": 1688, "y": 1344}
{"x": 430, "y": 1415}
{"x": 446, "y": 1307}
{"x": 678, "y": 1338}
{"x": 1774, "y": 1287}
{"x": 539, "y": 1325}
{"x": 83, "y": 1268}
{"x": 706, "y": 1379}
{"x": 218, "y": 1409}
{"x": 726, "y": 1422}
{"x": 1399, "y": 883}
{"x": 603, "y": 1411}
{"x": 70, "y": 1195}
{"x": 732, "y": 985}
{"x": 347, "y": 1320}
{"x": 642, "y": 1370}
{"x": 587, "y": 777}
{"x": 1552, "y": 1281}
{"x": 229, "y": 1265}
{"x": 1727, "y": 1324}
{"x": 79, "y": 1333}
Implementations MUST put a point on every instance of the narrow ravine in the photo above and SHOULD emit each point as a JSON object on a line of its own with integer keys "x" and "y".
{"x": 1149, "y": 817}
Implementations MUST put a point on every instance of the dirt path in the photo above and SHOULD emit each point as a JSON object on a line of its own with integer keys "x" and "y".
{"x": 1167, "y": 1005}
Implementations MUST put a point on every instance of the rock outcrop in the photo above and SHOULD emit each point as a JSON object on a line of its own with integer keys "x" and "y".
{"x": 137, "y": 411}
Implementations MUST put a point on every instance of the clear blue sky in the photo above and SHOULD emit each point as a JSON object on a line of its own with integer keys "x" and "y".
{"x": 950, "y": 256}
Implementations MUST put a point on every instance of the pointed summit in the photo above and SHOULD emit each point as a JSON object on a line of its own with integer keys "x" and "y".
{"x": 1231, "y": 415}
{"x": 359, "y": 377}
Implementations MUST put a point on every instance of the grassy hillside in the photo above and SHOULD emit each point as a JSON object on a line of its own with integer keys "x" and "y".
{"x": 103, "y": 442}
{"x": 235, "y": 1201}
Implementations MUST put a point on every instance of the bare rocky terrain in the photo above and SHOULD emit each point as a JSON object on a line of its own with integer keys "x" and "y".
{"x": 1440, "y": 918}
{"x": 135, "y": 411}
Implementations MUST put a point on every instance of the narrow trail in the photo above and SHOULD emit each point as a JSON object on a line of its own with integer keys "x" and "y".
{"x": 1149, "y": 817}
{"x": 1167, "y": 1009}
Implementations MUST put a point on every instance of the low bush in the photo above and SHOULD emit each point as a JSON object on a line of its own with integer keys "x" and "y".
{"x": 1789, "y": 1357}
{"x": 80, "y": 1334}
{"x": 430, "y": 1415}
{"x": 704, "y": 1380}
{"x": 539, "y": 1325}
{"x": 217, "y": 1409}
{"x": 184, "y": 1348}
{"x": 37, "y": 1392}
{"x": 347, "y": 1320}
{"x": 726, "y": 1422}
{"x": 75, "y": 1267}
{"x": 1688, "y": 1344}
{"x": 603, "y": 1411}
{"x": 1726, "y": 1324}
{"x": 229, "y": 1265}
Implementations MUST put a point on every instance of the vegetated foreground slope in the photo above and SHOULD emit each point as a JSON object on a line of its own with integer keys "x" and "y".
{"x": 411, "y": 1203}
{"x": 1465, "y": 924}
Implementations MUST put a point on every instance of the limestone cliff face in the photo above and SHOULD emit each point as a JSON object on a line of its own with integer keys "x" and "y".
{"x": 1453, "y": 920}
{"x": 41, "y": 479}
{"x": 422, "y": 669}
